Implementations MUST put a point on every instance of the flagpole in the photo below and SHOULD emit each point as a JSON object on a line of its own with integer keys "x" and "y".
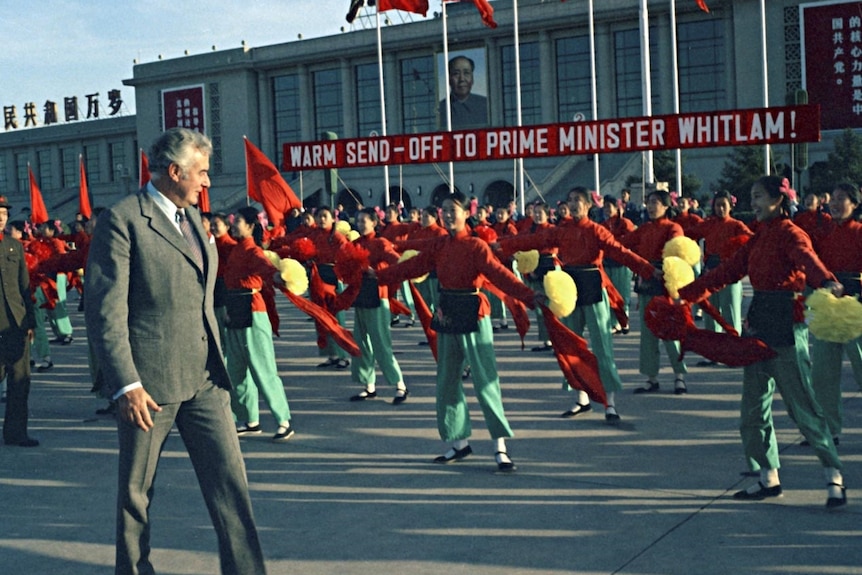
{"x": 382, "y": 103}
{"x": 766, "y": 162}
{"x": 647, "y": 84}
{"x": 448, "y": 92}
{"x": 520, "y": 119}
{"x": 674, "y": 52}
{"x": 594, "y": 91}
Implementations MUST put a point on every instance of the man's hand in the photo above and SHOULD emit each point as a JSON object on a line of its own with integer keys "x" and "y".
{"x": 134, "y": 407}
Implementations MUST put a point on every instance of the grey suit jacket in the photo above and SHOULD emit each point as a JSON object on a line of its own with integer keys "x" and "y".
{"x": 148, "y": 306}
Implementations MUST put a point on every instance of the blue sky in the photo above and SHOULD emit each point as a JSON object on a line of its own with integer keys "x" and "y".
{"x": 51, "y": 49}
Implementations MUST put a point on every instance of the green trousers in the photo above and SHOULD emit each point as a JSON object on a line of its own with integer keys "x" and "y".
{"x": 621, "y": 277}
{"x": 542, "y": 329}
{"x": 428, "y": 290}
{"x": 728, "y": 302}
{"x": 826, "y": 360}
{"x": 58, "y": 318}
{"x": 649, "y": 362}
{"x": 250, "y": 358}
{"x": 595, "y": 318}
{"x": 790, "y": 372}
{"x": 39, "y": 349}
{"x": 332, "y": 349}
{"x": 477, "y": 350}
{"x": 374, "y": 337}
{"x": 498, "y": 308}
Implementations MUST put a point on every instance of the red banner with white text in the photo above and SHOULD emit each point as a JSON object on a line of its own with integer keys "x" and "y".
{"x": 788, "y": 124}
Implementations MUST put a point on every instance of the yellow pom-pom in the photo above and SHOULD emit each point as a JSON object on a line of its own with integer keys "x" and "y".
{"x": 294, "y": 276}
{"x": 561, "y": 291}
{"x": 677, "y": 274}
{"x": 835, "y": 319}
{"x": 342, "y": 227}
{"x": 684, "y": 248}
{"x": 352, "y": 235}
{"x": 272, "y": 257}
{"x": 527, "y": 261}
{"x": 406, "y": 256}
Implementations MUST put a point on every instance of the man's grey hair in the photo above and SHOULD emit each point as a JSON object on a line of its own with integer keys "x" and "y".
{"x": 177, "y": 146}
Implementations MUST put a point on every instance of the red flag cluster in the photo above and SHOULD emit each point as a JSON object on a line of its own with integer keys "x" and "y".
{"x": 414, "y": 6}
{"x": 83, "y": 192}
{"x": 485, "y": 11}
{"x": 38, "y": 211}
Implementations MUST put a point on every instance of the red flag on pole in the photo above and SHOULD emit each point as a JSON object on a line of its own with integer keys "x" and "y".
{"x": 265, "y": 185}
{"x": 415, "y": 6}
{"x": 38, "y": 211}
{"x": 204, "y": 200}
{"x": 702, "y": 5}
{"x": 143, "y": 170}
{"x": 485, "y": 10}
{"x": 83, "y": 192}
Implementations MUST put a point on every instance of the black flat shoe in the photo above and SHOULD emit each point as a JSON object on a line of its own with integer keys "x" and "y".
{"x": 758, "y": 495}
{"x": 653, "y": 387}
{"x": 453, "y": 455}
{"x": 504, "y": 466}
{"x": 679, "y": 387}
{"x": 833, "y": 502}
{"x": 26, "y": 442}
{"x": 400, "y": 398}
{"x": 612, "y": 418}
{"x": 577, "y": 410}
{"x": 331, "y": 362}
{"x": 342, "y": 363}
{"x": 539, "y": 348}
{"x": 363, "y": 395}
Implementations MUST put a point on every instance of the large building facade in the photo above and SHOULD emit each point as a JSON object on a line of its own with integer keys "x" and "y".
{"x": 307, "y": 90}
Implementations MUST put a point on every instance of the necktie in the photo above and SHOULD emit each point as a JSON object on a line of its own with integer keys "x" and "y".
{"x": 195, "y": 246}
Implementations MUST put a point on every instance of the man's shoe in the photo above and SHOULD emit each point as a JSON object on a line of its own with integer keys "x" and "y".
{"x": 453, "y": 455}
{"x": 363, "y": 395}
{"x": 283, "y": 433}
{"x": 26, "y": 442}
{"x": 577, "y": 410}
{"x": 247, "y": 429}
{"x": 758, "y": 495}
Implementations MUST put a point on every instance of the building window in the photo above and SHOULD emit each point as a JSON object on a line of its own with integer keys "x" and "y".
{"x": 418, "y": 95}
{"x": 702, "y": 84}
{"x": 531, "y": 85}
{"x": 117, "y": 153}
{"x": 22, "y": 162}
{"x": 328, "y": 103}
{"x": 70, "y": 167}
{"x": 368, "y": 100}
{"x": 91, "y": 162}
{"x": 46, "y": 179}
{"x": 288, "y": 125}
{"x": 573, "y": 78}
{"x": 629, "y": 85}
{"x": 4, "y": 178}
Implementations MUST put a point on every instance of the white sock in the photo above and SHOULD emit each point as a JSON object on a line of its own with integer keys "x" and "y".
{"x": 370, "y": 388}
{"x": 611, "y": 410}
{"x": 769, "y": 477}
{"x": 501, "y": 455}
{"x": 612, "y": 398}
{"x": 500, "y": 444}
{"x": 583, "y": 398}
{"x": 833, "y": 476}
{"x": 400, "y": 386}
{"x": 460, "y": 444}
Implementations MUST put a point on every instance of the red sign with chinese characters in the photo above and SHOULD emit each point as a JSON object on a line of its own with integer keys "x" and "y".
{"x": 184, "y": 108}
{"x": 832, "y": 53}
{"x": 788, "y": 124}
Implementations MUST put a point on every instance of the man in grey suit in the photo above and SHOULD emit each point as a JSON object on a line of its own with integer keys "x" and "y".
{"x": 149, "y": 311}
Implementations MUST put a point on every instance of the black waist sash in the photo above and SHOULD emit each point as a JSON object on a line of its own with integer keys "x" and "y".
{"x": 327, "y": 274}
{"x": 546, "y": 264}
{"x": 238, "y": 308}
{"x": 711, "y": 262}
{"x": 369, "y": 294}
{"x": 653, "y": 286}
{"x": 852, "y": 282}
{"x": 457, "y": 311}
{"x": 770, "y": 318}
{"x": 588, "y": 280}
{"x": 219, "y": 293}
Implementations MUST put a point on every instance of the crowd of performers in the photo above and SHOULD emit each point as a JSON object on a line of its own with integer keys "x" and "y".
{"x": 463, "y": 271}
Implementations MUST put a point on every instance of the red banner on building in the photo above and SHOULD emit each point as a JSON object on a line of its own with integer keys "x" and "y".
{"x": 832, "y": 58}
{"x": 184, "y": 108}
{"x": 789, "y": 124}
